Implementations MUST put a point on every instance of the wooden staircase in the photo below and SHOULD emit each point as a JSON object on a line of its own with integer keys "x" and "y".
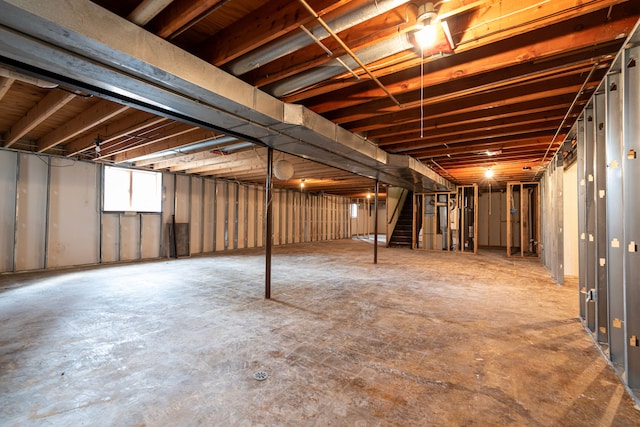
{"x": 401, "y": 236}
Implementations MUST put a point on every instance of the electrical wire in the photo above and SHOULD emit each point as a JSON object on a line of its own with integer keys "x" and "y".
{"x": 421, "y": 93}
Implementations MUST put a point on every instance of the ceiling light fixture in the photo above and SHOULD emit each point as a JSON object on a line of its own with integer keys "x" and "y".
{"x": 97, "y": 143}
{"x": 426, "y": 23}
{"x": 302, "y": 184}
{"x": 283, "y": 170}
{"x": 488, "y": 173}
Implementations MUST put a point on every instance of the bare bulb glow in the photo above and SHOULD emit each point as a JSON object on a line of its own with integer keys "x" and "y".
{"x": 488, "y": 173}
{"x": 426, "y": 36}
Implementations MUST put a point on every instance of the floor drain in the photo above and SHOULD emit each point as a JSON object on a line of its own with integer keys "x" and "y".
{"x": 260, "y": 375}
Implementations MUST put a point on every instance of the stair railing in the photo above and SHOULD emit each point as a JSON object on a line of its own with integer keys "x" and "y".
{"x": 391, "y": 224}
{"x": 400, "y": 203}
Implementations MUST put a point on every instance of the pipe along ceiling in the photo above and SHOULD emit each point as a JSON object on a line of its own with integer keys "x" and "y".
{"x": 75, "y": 45}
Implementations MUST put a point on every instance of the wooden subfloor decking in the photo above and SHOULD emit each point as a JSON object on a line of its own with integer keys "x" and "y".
{"x": 422, "y": 338}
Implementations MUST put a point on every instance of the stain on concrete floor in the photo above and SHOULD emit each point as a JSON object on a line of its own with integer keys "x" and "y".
{"x": 420, "y": 339}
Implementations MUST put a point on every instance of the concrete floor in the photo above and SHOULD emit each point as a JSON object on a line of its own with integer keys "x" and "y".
{"x": 429, "y": 339}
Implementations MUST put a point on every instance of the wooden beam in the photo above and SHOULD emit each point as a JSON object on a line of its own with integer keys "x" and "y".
{"x": 128, "y": 125}
{"x": 5, "y": 85}
{"x": 496, "y": 90}
{"x": 263, "y": 25}
{"x": 593, "y": 29}
{"x": 212, "y": 160}
{"x": 499, "y": 20}
{"x": 491, "y": 70}
{"x": 232, "y": 168}
{"x": 45, "y": 108}
{"x": 214, "y": 147}
{"x": 177, "y": 16}
{"x": 380, "y": 112}
{"x": 543, "y": 136}
{"x": 162, "y": 132}
{"x": 555, "y": 97}
{"x": 94, "y": 116}
{"x": 525, "y": 156}
{"x": 492, "y": 146}
{"x": 197, "y": 136}
{"x": 413, "y": 141}
{"x": 185, "y": 159}
{"x": 384, "y": 26}
{"x": 513, "y": 112}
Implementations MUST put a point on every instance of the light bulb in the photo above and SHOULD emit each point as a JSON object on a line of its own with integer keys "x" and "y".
{"x": 488, "y": 173}
{"x": 426, "y": 36}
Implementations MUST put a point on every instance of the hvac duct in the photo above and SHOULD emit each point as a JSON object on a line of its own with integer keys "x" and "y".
{"x": 279, "y": 48}
{"x": 136, "y": 68}
{"x": 147, "y": 10}
{"x": 335, "y": 67}
{"x": 213, "y": 142}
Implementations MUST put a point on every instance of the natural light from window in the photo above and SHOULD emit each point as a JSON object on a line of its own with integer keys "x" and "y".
{"x": 354, "y": 210}
{"x": 129, "y": 190}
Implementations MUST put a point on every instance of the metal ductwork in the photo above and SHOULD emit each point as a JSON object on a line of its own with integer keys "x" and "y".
{"x": 75, "y": 45}
{"x": 281, "y": 47}
{"x": 335, "y": 67}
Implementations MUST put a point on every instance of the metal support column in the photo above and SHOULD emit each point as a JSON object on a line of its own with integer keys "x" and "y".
{"x": 615, "y": 222}
{"x": 600, "y": 185}
{"x": 268, "y": 238}
{"x": 631, "y": 206}
{"x": 375, "y": 224}
{"x": 590, "y": 218}
{"x": 582, "y": 222}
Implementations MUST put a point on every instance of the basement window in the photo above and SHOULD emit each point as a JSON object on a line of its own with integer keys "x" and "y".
{"x": 354, "y": 210}
{"x": 129, "y": 190}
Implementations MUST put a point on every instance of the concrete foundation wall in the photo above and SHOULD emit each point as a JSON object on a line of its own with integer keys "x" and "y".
{"x": 51, "y": 216}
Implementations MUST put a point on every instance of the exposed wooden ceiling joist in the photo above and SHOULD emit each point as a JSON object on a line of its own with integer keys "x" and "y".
{"x": 97, "y": 115}
{"x": 515, "y": 78}
{"x": 51, "y": 103}
{"x": 5, "y": 85}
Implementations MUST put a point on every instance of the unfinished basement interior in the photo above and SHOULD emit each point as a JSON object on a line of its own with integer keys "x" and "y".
{"x": 319, "y": 213}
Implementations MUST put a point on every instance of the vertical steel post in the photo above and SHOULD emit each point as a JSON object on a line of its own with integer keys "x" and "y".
{"x": 246, "y": 216}
{"x": 16, "y": 212}
{"x": 236, "y": 213}
{"x": 269, "y": 224}
{"x": 214, "y": 206}
{"x": 375, "y": 224}
{"x": 600, "y": 232}
{"x": 47, "y": 215}
{"x": 590, "y": 217}
{"x": 140, "y": 235}
{"x": 582, "y": 215}
{"x": 615, "y": 220}
{"x": 631, "y": 206}
{"x": 202, "y": 212}
{"x": 100, "y": 213}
